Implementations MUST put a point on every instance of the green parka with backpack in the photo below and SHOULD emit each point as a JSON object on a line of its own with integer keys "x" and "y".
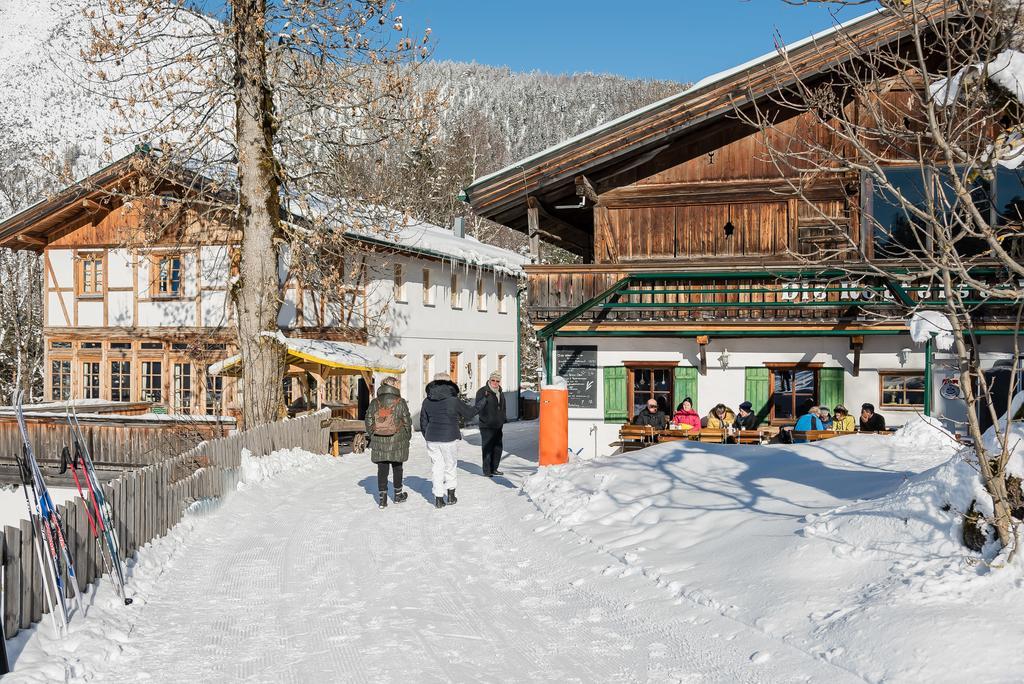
{"x": 389, "y": 426}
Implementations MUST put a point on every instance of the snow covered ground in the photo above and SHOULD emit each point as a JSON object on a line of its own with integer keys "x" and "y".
{"x": 679, "y": 563}
{"x": 299, "y": 577}
{"x": 842, "y": 549}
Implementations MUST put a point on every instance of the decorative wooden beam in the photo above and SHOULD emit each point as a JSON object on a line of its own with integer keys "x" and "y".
{"x": 29, "y": 240}
{"x": 533, "y": 223}
{"x": 584, "y": 188}
{"x": 856, "y": 344}
{"x": 702, "y": 343}
{"x": 571, "y": 233}
{"x": 93, "y": 206}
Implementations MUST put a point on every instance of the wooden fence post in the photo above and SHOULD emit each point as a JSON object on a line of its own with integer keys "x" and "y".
{"x": 31, "y": 607}
{"x": 12, "y": 581}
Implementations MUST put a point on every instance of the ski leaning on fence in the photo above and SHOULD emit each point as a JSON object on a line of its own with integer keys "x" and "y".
{"x": 47, "y": 531}
{"x": 97, "y": 509}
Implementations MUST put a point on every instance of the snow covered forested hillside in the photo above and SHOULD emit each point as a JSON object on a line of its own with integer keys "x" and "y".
{"x": 51, "y": 117}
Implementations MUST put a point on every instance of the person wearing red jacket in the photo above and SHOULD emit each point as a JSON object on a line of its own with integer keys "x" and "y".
{"x": 686, "y": 415}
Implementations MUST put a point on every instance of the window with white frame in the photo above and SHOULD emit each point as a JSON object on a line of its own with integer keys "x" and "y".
{"x": 214, "y": 394}
{"x": 120, "y": 380}
{"x": 90, "y": 274}
{"x": 481, "y": 294}
{"x": 183, "y": 387}
{"x": 481, "y": 368}
{"x": 91, "y": 380}
{"x": 428, "y": 289}
{"x": 152, "y": 381}
{"x": 399, "y": 281}
{"x": 456, "y": 292}
{"x": 428, "y": 369}
{"x": 60, "y": 380}
{"x": 503, "y": 369}
{"x": 499, "y": 286}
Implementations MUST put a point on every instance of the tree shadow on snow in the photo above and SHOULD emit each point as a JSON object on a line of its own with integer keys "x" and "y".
{"x": 759, "y": 484}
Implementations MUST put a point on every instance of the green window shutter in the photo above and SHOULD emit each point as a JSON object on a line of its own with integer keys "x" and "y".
{"x": 615, "y": 410}
{"x": 831, "y": 385}
{"x": 756, "y": 391}
{"x": 684, "y": 385}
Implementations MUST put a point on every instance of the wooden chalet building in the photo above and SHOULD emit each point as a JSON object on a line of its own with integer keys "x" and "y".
{"x": 129, "y": 317}
{"x": 691, "y": 284}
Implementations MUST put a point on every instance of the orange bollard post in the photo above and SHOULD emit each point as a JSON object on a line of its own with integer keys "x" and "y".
{"x": 554, "y": 426}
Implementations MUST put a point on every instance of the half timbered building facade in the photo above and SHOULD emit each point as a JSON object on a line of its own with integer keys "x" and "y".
{"x": 130, "y": 318}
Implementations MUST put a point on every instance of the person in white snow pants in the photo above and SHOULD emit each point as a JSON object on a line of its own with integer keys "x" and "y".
{"x": 439, "y": 423}
{"x": 444, "y": 462}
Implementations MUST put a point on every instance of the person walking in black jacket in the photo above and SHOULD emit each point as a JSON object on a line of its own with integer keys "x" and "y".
{"x": 491, "y": 403}
{"x": 439, "y": 423}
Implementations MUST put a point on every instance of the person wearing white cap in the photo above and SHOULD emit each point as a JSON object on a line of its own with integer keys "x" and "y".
{"x": 491, "y": 402}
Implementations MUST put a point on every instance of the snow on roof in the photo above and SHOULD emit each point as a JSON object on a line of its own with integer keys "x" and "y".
{"x": 122, "y": 419}
{"x": 925, "y": 325}
{"x": 1006, "y": 70}
{"x": 427, "y": 238}
{"x": 706, "y": 82}
{"x": 395, "y": 229}
{"x": 344, "y": 355}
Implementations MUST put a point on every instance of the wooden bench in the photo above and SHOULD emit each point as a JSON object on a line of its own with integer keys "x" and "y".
{"x": 814, "y": 435}
{"x": 749, "y": 436}
{"x": 711, "y": 436}
{"x": 634, "y": 437}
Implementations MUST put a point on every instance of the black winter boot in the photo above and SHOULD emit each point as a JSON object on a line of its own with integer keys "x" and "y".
{"x": 438, "y": 502}
{"x": 451, "y": 498}
{"x": 401, "y": 496}
{"x": 382, "y": 501}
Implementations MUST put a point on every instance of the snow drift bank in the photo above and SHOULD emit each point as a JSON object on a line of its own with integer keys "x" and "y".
{"x": 848, "y": 548}
{"x": 103, "y": 632}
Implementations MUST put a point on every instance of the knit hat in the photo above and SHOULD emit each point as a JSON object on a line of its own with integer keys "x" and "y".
{"x": 746, "y": 406}
{"x": 495, "y": 376}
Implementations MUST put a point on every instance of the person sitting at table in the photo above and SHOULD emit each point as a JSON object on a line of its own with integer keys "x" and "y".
{"x": 720, "y": 418}
{"x": 652, "y": 415}
{"x": 747, "y": 419}
{"x": 843, "y": 421}
{"x": 808, "y": 421}
{"x": 686, "y": 415}
{"x": 824, "y": 418}
{"x": 869, "y": 420}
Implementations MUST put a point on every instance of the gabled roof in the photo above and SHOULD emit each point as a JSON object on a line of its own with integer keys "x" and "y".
{"x": 30, "y": 228}
{"x": 612, "y": 154}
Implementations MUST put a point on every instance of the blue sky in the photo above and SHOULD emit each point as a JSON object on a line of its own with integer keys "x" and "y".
{"x": 681, "y": 40}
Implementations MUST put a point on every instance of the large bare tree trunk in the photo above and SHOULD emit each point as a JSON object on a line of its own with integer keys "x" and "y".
{"x": 257, "y": 294}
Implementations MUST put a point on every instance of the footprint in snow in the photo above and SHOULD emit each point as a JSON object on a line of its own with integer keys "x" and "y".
{"x": 760, "y": 657}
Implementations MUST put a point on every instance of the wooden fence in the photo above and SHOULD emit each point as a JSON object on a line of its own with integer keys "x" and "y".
{"x": 114, "y": 441}
{"x": 146, "y": 504}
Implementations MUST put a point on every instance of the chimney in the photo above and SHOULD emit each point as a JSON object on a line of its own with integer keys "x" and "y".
{"x": 460, "y": 227}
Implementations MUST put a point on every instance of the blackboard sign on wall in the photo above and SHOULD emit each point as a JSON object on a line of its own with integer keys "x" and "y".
{"x": 578, "y": 366}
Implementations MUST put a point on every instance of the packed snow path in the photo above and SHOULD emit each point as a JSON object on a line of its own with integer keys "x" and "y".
{"x": 302, "y": 579}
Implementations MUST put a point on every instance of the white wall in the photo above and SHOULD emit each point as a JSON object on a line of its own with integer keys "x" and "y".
{"x": 120, "y": 267}
{"x": 120, "y": 308}
{"x": 416, "y": 329}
